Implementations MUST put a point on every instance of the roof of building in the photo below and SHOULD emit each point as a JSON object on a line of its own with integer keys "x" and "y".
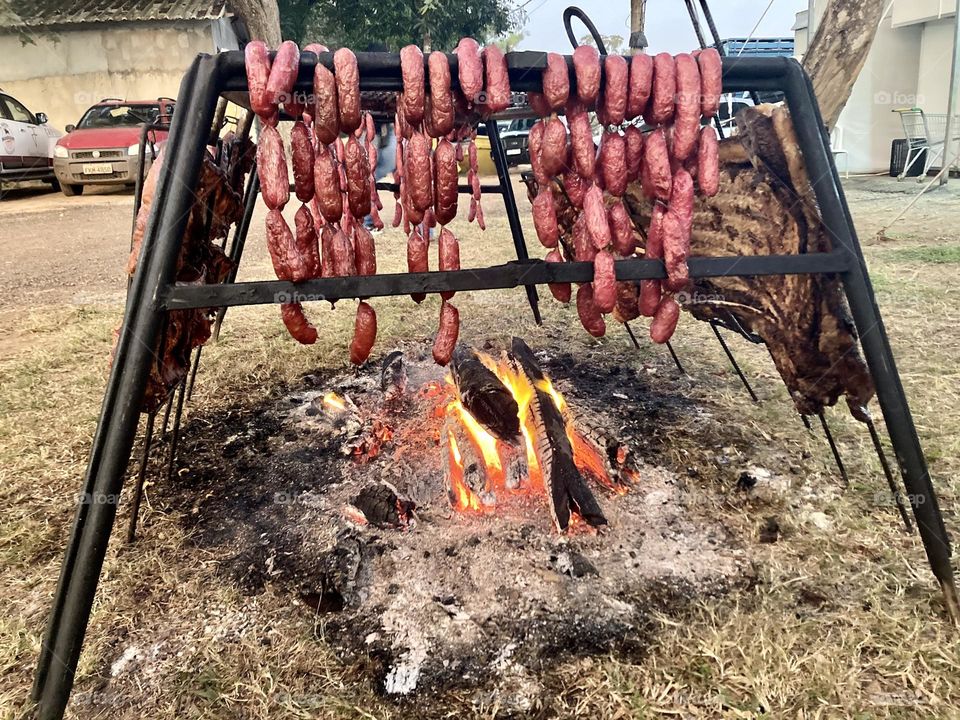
{"x": 46, "y": 13}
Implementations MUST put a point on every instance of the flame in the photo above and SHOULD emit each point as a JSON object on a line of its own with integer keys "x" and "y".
{"x": 332, "y": 400}
{"x": 523, "y": 393}
{"x": 463, "y": 497}
{"x": 484, "y": 442}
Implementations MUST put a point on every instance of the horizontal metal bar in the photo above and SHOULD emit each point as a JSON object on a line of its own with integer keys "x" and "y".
{"x": 485, "y": 189}
{"x": 510, "y": 275}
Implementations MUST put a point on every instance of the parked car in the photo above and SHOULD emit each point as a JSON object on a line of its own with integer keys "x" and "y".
{"x": 103, "y": 148}
{"x": 26, "y": 144}
{"x": 514, "y": 135}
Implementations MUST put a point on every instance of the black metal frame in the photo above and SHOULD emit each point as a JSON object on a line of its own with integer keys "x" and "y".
{"x": 153, "y": 292}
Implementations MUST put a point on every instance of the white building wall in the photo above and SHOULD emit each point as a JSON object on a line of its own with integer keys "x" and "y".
{"x": 936, "y": 54}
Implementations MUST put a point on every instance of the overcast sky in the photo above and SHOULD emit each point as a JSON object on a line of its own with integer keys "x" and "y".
{"x": 668, "y": 25}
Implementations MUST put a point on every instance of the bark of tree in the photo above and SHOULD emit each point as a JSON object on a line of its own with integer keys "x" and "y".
{"x": 836, "y": 56}
{"x": 262, "y": 18}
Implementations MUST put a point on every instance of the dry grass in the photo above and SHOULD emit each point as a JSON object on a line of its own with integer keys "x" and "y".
{"x": 844, "y": 621}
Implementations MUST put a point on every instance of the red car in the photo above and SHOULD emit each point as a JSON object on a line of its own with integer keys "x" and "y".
{"x": 103, "y": 148}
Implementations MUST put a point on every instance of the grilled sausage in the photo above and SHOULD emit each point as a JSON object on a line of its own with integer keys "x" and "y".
{"x": 364, "y": 334}
{"x": 586, "y": 67}
{"x": 650, "y": 290}
{"x": 633, "y": 139}
{"x": 626, "y": 308}
{"x": 301, "y": 151}
{"x": 589, "y": 314}
{"x": 649, "y": 299}
{"x": 307, "y": 247}
{"x": 498, "y": 96}
{"x": 595, "y": 213}
{"x": 556, "y": 81}
{"x": 575, "y": 188}
{"x": 257, "y": 60}
{"x": 447, "y": 334}
{"x": 615, "y": 89}
{"x": 553, "y": 151}
{"x": 411, "y": 68}
{"x": 445, "y": 181}
{"x": 281, "y": 246}
{"x": 665, "y": 320}
{"x": 708, "y": 167}
{"x": 297, "y": 324}
{"x": 327, "y": 233}
{"x": 545, "y": 218}
{"x": 584, "y": 150}
{"x": 283, "y": 73}
{"x": 272, "y": 169}
{"x": 538, "y": 103}
{"x": 480, "y": 221}
{"x": 641, "y": 79}
{"x": 535, "y": 145}
{"x": 711, "y": 81}
{"x": 613, "y": 162}
{"x": 560, "y": 291}
{"x": 344, "y": 257}
{"x": 449, "y": 255}
{"x": 418, "y": 261}
{"x": 604, "y": 281}
{"x": 621, "y": 230}
{"x": 326, "y": 113}
{"x": 686, "y": 123}
{"x": 326, "y": 185}
{"x": 657, "y": 180}
{"x": 664, "y": 89}
{"x": 441, "y": 95}
{"x": 675, "y": 249}
{"x": 358, "y": 173}
{"x": 418, "y": 173}
{"x": 365, "y": 251}
{"x": 470, "y": 70}
{"x": 583, "y": 247}
{"x": 347, "y": 75}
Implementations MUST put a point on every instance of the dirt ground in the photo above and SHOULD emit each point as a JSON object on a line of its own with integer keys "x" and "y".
{"x": 843, "y": 621}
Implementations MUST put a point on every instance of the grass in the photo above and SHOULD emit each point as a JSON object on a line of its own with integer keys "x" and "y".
{"x": 843, "y": 622}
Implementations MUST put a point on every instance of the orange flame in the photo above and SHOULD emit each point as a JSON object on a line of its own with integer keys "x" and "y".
{"x": 332, "y": 400}
{"x": 463, "y": 497}
{"x": 484, "y": 442}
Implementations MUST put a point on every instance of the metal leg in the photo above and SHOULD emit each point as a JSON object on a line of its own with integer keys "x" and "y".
{"x": 806, "y": 423}
{"x": 141, "y": 478}
{"x": 894, "y": 490}
{"x": 193, "y": 372}
{"x": 125, "y": 390}
{"x": 636, "y": 344}
{"x": 834, "y": 449}
{"x": 676, "y": 360}
{"x": 733, "y": 361}
{"x": 695, "y": 21}
{"x": 510, "y": 201}
{"x": 239, "y": 239}
{"x": 175, "y": 439}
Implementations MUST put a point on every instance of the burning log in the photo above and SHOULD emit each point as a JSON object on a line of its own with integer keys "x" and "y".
{"x": 381, "y": 505}
{"x": 485, "y": 395}
{"x": 566, "y": 489}
{"x": 477, "y": 467}
{"x": 393, "y": 377}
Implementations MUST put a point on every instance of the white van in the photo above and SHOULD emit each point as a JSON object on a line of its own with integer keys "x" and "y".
{"x": 26, "y": 144}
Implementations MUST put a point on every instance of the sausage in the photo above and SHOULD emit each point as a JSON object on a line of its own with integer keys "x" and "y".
{"x": 665, "y": 320}
{"x": 556, "y": 81}
{"x": 344, "y": 259}
{"x": 418, "y": 172}
{"x": 711, "y": 81}
{"x": 347, "y": 75}
{"x": 583, "y": 248}
{"x": 675, "y": 250}
{"x": 664, "y": 89}
{"x": 327, "y": 233}
{"x": 257, "y": 60}
{"x": 297, "y": 324}
{"x": 649, "y": 300}
{"x": 650, "y": 290}
{"x": 418, "y": 261}
{"x": 586, "y": 67}
{"x": 613, "y": 162}
{"x": 621, "y": 230}
{"x": 595, "y": 213}
{"x": 481, "y": 223}
{"x": 446, "y": 340}
{"x": 307, "y": 248}
{"x": 626, "y": 308}
{"x": 535, "y": 145}
{"x": 553, "y": 152}
{"x": 449, "y": 254}
{"x": 604, "y": 281}
{"x": 326, "y": 113}
{"x": 681, "y": 200}
{"x": 560, "y": 291}
{"x": 658, "y": 178}
{"x": 411, "y": 68}
{"x": 283, "y": 73}
{"x": 575, "y": 188}
{"x": 272, "y": 169}
{"x": 301, "y": 152}
{"x": 633, "y": 139}
{"x": 615, "y": 88}
{"x": 545, "y": 218}
{"x": 708, "y": 167}
{"x": 281, "y": 246}
{"x": 358, "y": 174}
{"x": 470, "y": 70}
{"x": 375, "y": 216}
{"x": 364, "y": 334}
{"x": 441, "y": 95}
{"x": 538, "y": 103}
{"x": 326, "y": 184}
{"x": 445, "y": 180}
{"x": 584, "y": 150}
{"x": 641, "y": 78}
{"x": 686, "y": 123}
{"x": 498, "y": 96}
{"x": 587, "y": 311}
{"x": 365, "y": 251}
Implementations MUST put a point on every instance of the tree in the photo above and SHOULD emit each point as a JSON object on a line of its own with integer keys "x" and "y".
{"x": 509, "y": 42}
{"x": 612, "y": 43}
{"x": 262, "y": 18}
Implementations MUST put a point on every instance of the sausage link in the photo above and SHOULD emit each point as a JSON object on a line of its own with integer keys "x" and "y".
{"x": 615, "y": 89}
{"x": 708, "y": 164}
{"x": 575, "y": 188}
{"x": 326, "y": 185}
{"x": 297, "y": 324}
{"x": 675, "y": 252}
{"x": 626, "y": 308}
{"x": 589, "y": 314}
{"x": 584, "y": 150}
{"x": 281, "y": 246}
{"x": 307, "y": 247}
{"x": 633, "y": 139}
{"x": 441, "y": 95}
{"x": 470, "y": 69}
{"x": 621, "y": 230}
{"x": 650, "y": 290}
{"x": 657, "y": 178}
{"x": 665, "y": 320}
{"x": 586, "y": 67}
{"x": 556, "y": 81}
{"x": 711, "y": 81}
{"x": 344, "y": 257}
{"x": 358, "y": 174}
{"x": 326, "y": 113}
{"x": 604, "y": 281}
{"x": 257, "y": 61}
{"x": 365, "y": 250}
{"x": 418, "y": 173}
{"x": 448, "y": 249}
{"x": 553, "y": 152}
{"x": 535, "y": 145}
{"x": 364, "y": 334}
{"x": 641, "y": 79}
{"x": 481, "y": 223}
{"x": 449, "y": 330}
{"x": 347, "y": 75}
{"x": 583, "y": 247}
{"x": 595, "y": 212}
{"x": 560, "y": 291}
{"x": 301, "y": 151}
{"x": 497, "y": 92}
{"x": 686, "y": 123}
{"x": 545, "y": 218}
{"x": 649, "y": 300}
{"x": 411, "y": 68}
{"x": 418, "y": 261}
{"x": 327, "y": 238}
{"x": 613, "y": 162}
{"x": 272, "y": 169}
{"x": 664, "y": 89}
{"x": 283, "y": 73}
{"x": 445, "y": 181}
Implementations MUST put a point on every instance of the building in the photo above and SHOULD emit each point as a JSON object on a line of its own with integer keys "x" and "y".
{"x": 908, "y": 66}
{"x": 59, "y": 58}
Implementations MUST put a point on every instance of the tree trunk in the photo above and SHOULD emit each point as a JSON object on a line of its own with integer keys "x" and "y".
{"x": 262, "y": 18}
{"x": 838, "y": 51}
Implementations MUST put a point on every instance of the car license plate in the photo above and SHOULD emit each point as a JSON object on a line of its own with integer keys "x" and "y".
{"x": 513, "y": 151}
{"x": 97, "y": 169}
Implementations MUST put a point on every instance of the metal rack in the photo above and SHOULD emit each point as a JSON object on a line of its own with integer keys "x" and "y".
{"x": 153, "y": 292}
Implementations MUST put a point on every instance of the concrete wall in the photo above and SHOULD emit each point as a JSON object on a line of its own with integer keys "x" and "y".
{"x": 916, "y": 11}
{"x": 936, "y": 54}
{"x": 63, "y": 73}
